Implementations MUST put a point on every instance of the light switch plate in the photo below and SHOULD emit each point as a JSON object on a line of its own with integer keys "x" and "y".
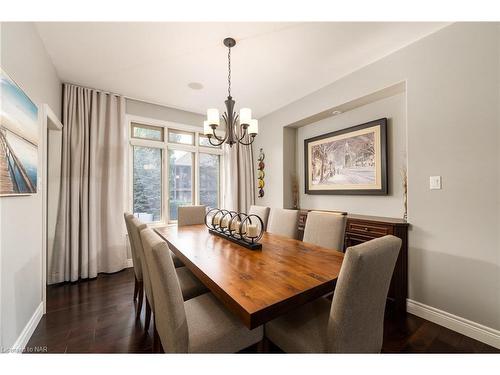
{"x": 435, "y": 182}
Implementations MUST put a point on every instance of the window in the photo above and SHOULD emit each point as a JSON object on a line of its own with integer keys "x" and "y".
{"x": 203, "y": 141}
{"x": 180, "y": 180}
{"x": 171, "y": 166}
{"x": 147, "y": 183}
{"x": 147, "y": 132}
{"x": 209, "y": 179}
{"x": 176, "y": 136}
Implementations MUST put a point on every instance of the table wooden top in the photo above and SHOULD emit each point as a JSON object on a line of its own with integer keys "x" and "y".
{"x": 257, "y": 285}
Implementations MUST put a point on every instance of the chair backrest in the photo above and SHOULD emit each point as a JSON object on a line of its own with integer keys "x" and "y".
{"x": 170, "y": 315}
{"x": 135, "y": 257}
{"x": 190, "y": 215}
{"x": 356, "y": 321}
{"x": 283, "y": 222}
{"x": 136, "y": 227}
{"x": 325, "y": 229}
{"x": 260, "y": 211}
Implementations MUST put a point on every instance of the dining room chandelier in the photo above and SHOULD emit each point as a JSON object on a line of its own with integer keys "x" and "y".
{"x": 249, "y": 127}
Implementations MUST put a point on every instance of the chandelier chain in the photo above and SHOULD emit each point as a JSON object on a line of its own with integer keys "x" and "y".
{"x": 229, "y": 72}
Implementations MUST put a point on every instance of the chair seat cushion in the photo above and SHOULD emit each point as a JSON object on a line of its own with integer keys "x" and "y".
{"x": 303, "y": 330}
{"x": 190, "y": 286}
{"x": 214, "y": 329}
{"x": 177, "y": 261}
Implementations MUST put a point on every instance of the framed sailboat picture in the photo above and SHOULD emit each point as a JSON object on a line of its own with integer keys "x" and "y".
{"x": 19, "y": 134}
{"x": 348, "y": 161}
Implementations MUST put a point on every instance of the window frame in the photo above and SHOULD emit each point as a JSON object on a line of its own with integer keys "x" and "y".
{"x": 165, "y": 145}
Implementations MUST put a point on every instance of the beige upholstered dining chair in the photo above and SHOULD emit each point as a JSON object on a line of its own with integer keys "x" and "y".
{"x": 260, "y": 211}
{"x": 139, "y": 226}
{"x": 191, "y": 215}
{"x": 190, "y": 285}
{"x": 136, "y": 262}
{"x": 199, "y": 325}
{"x": 283, "y": 222}
{"x": 353, "y": 322}
{"x": 326, "y": 229}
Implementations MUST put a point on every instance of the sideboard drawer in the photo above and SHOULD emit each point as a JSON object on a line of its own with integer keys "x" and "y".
{"x": 370, "y": 229}
{"x": 302, "y": 220}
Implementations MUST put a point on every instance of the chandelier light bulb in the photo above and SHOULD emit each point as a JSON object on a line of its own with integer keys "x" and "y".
{"x": 213, "y": 116}
{"x": 206, "y": 128}
{"x": 253, "y": 127}
{"x": 245, "y": 116}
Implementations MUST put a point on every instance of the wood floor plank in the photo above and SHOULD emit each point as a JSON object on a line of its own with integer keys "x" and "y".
{"x": 98, "y": 316}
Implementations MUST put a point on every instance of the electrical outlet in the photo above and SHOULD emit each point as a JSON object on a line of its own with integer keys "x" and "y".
{"x": 435, "y": 182}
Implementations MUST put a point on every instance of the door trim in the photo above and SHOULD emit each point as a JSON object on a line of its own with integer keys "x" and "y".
{"x": 53, "y": 124}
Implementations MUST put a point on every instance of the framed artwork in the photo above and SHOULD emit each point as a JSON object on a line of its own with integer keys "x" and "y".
{"x": 19, "y": 134}
{"x": 348, "y": 161}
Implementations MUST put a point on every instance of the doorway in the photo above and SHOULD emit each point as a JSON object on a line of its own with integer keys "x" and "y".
{"x": 51, "y": 188}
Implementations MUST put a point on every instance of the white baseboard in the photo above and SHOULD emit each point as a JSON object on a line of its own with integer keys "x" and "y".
{"x": 456, "y": 323}
{"x": 28, "y": 330}
{"x": 130, "y": 264}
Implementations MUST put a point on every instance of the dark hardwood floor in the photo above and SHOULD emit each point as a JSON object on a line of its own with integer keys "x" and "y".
{"x": 98, "y": 316}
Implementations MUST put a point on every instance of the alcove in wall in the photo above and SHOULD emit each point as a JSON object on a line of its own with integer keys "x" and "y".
{"x": 389, "y": 102}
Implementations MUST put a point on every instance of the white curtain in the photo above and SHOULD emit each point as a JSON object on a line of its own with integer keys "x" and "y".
{"x": 90, "y": 229}
{"x": 239, "y": 193}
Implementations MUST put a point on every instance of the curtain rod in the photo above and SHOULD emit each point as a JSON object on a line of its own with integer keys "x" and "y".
{"x": 93, "y": 88}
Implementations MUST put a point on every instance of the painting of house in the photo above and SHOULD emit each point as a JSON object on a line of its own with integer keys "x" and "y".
{"x": 347, "y": 161}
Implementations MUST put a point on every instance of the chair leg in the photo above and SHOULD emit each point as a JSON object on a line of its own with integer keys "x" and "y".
{"x": 156, "y": 340}
{"x": 139, "y": 304}
{"x": 136, "y": 289}
{"x": 263, "y": 346}
{"x": 148, "y": 316}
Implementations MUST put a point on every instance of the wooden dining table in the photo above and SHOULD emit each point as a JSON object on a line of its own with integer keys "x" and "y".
{"x": 256, "y": 285}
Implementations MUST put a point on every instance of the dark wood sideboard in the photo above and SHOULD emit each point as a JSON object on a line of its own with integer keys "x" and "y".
{"x": 361, "y": 228}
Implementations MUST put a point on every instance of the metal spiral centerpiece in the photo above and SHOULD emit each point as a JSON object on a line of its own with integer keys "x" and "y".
{"x": 243, "y": 229}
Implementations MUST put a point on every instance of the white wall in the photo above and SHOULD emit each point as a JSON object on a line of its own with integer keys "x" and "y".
{"x": 391, "y": 205}
{"x": 160, "y": 112}
{"x": 452, "y": 130}
{"x": 24, "y": 58}
{"x": 289, "y": 166}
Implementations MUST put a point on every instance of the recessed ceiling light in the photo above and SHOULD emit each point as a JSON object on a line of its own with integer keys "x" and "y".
{"x": 334, "y": 113}
{"x": 195, "y": 85}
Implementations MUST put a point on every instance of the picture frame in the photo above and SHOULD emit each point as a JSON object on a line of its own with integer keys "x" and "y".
{"x": 350, "y": 161}
{"x": 19, "y": 140}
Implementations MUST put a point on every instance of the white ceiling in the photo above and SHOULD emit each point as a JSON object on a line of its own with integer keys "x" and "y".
{"x": 273, "y": 64}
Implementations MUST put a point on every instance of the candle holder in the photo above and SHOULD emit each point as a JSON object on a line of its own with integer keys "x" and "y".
{"x": 245, "y": 230}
